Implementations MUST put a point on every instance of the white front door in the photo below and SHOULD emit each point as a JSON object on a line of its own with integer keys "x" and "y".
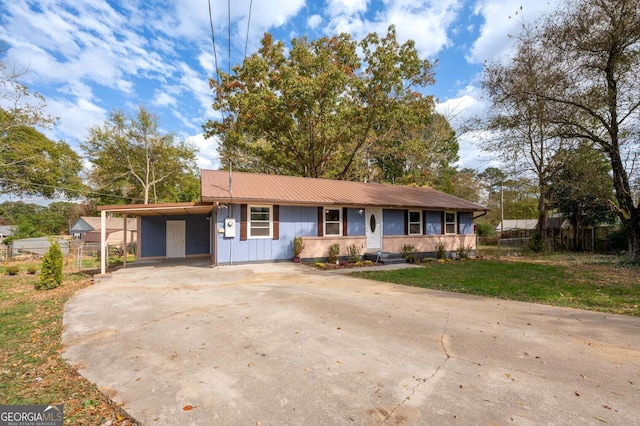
{"x": 373, "y": 225}
{"x": 175, "y": 238}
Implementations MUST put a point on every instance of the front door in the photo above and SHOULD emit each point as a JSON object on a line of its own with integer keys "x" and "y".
{"x": 373, "y": 224}
{"x": 175, "y": 238}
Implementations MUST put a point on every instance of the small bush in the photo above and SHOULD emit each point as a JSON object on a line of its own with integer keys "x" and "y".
{"x": 298, "y": 246}
{"x": 353, "y": 253}
{"x": 344, "y": 263}
{"x": 463, "y": 252}
{"x": 319, "y": 265}
{"x": 12, "y": 270}
{"x": 334, "y": 251}
{"x": 440, "y": 252}
{"x": 367, "y": 263}
{"x": 31, "y": 270}
{"x": 484, "y": 229}
{"x": 408, "y": 253}
{"x": 51, "y": 271}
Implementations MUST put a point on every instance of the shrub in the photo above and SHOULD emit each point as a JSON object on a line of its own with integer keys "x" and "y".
{"x": 367, "y": 263}
{"x": 334, "y": 251}
{"x": 12, "y": 270}
{"x": 298, "y": 246}
{"x": 319, "y": 265}
{"x": 51, "y": 271}
{"x": 344, "y": 263}
{"x": 484, "y": 228}
{"x": 463, "y": 252}
{"x": 408, "y": 253}
{"x": 440, "y": 252}
{"x": 31, "y": 270}
{"x": 353, "y": 253}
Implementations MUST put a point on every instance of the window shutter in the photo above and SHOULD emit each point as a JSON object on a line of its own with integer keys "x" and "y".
{"x": 442, "y": 227}
{"x": 406, "y": 222}
{"x": 276, "y": 222}
{"x": 424, "y": 222}
{"x": 458, "y": 222}
{"x": 344, "y": 222}
{"x": 243, "y": 221}
{"x": 320, "y": 221}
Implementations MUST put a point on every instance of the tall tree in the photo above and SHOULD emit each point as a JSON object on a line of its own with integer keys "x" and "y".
{"x": 583, "y": 191}
{"x": 32, "y": 164}
{"x": 592, "y": 50}
{"x": 524, "y": 136}
{"x": 318, "y": 110}
{"x": 133, "y": 161}
{"x": 19, "y": 107}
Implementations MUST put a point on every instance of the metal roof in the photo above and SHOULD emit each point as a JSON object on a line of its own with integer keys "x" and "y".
{"x": 239, "y": 187}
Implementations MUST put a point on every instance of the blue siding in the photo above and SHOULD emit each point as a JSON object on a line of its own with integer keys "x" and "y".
{"x": 355, "y": 223}
{"x": 466, "y": 222}
{"x": 154, "y": 235}
{"x": 294, "y": 221}
{"x": 393, "y": 222}
{"x": 434, "y": 223}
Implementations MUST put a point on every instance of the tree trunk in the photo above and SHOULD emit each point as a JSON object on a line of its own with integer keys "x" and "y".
{"x": 632, "y": 227}
{"x": 542, "y": 216}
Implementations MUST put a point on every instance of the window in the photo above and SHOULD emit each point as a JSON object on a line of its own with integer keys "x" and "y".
{"x": 450, "y": 223}
{"x": 332, "y": 221}
{"x": 415, "y": 222}
{"x": 260, "y": 222}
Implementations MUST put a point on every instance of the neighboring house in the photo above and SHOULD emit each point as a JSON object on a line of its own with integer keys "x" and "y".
{"x": 87, "y": 229}
{"x": 247, "y": 217}
{"x": 38, "y": 246}
{"x": 516, "y": 228}
{"x": 5, "y": 232}
{"x": 524, "y": 228}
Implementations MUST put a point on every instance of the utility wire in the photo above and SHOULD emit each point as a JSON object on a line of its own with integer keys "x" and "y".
{"x": 213, "y": 42}
{"x": 62, "y": 188}
{"x": 229, "y": 28}
{"x": 246, "y": 42}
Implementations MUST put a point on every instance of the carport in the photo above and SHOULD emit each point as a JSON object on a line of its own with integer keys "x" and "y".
{"x": 170, "y": 226}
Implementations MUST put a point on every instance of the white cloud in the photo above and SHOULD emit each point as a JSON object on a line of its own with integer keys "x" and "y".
{"x": 314, "y": 21}
{"x": 424, "y": 21}
{"x": 502, "y": 18}
{"x": 164, "y": 99}
{"x": 76, "y": 117}
{"x": 346, "y": 7}
{"x": 208, "y": 157}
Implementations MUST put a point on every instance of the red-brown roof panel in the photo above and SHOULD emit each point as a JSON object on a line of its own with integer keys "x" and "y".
{"x": 263, "y": 188}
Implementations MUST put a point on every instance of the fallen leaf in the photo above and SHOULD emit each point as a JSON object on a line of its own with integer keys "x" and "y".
{"x": 187, "y": 407}
{"x": 601, "y": 420}
{"x": 607, "y": 407}
{"x": 577, "y": 393}
{"x": 339, "y": 362}
{"x": 583, "y": 376}
{"x": 250, "y": 365}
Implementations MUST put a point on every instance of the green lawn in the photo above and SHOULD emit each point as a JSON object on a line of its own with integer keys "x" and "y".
{"x": 32, "y": 370}
{"x": 601, "y": 286}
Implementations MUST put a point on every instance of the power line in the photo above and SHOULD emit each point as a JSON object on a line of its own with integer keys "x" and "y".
{"x": 213, "y": 42}
{"x": 246, "y": 42}
{"x": 229, "y": 29}
{"x": 62, "y": 188}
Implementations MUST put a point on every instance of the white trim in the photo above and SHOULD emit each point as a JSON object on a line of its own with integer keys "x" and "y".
{"x": 249, "y": 221}
{"x": 455, "y": 223}
{"x": 339, "y": 222}
{"x": 410, "y": 222}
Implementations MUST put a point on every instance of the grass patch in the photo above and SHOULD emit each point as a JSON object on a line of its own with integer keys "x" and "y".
{"x": 594, "y": 284}
{"x": 32, "y": 370}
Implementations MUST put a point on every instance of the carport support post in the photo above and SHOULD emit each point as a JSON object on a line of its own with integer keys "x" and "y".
{"x": 103, "y": 242}
{"x": 126, "y": 243}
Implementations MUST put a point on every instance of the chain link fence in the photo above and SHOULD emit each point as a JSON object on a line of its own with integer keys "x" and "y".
{"x": 78, "y": 255}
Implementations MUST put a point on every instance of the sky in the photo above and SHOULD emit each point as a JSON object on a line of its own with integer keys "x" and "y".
{"x": 90, "y": 57}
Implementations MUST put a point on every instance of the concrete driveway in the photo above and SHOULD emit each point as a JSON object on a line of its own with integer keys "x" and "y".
{"x": 284, "y": 344}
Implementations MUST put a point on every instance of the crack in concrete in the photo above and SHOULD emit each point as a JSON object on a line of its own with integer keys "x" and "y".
{"x": 421, "y": 381}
